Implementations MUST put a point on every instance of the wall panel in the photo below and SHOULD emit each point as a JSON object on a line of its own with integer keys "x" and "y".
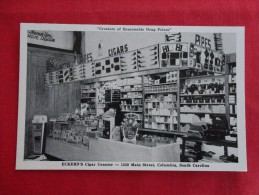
{"x": 47, "y": 100}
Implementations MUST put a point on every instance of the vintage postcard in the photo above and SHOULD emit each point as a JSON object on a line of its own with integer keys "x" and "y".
{"x": 114, "y": 97}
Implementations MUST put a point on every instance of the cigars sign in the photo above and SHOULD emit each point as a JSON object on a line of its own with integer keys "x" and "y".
{"x": 118, "y": 50}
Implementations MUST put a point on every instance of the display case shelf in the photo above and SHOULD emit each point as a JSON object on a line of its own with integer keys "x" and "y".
{"x": 125, "y": 91}
{"x": 130, "y": 84}
{"x": 154, "y": 131}
{"x": 202, "y": 103}
{"x": 148, "y": 85}
{"x": 158, "y": 115}
{"x": 132, "y": 105}
{"x": 202, "y": 77}
{"x": 165, "y": 122}
{"x": 132, "y": 98}
{"x": 131, "y": 111}
{"x": 160, "y": 92}
{"x": 147, "y": 101}
{"x": 185, "y": 122}
{"x": 190, "y": 95}
{"x": 202, "y": 113}
{"x": 63, "y": 122}
{"x": 88, "y": 97}
{"x": 88, "y": 90}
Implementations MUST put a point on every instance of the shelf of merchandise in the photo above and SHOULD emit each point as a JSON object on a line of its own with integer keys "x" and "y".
{"x": 183, "y": 79}
{"x": 130, "y": 100}
{"x": 173, "y": 126}
{"x": 89, "y": 90}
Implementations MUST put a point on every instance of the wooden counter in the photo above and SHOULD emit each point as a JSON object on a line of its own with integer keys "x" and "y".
{"x": 108, "y": 150}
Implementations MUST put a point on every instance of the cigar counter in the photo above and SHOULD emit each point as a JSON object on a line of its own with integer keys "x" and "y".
{"x": 180, "y": 110}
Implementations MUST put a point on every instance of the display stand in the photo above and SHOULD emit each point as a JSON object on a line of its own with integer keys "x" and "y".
{"x": 38, "y": 130}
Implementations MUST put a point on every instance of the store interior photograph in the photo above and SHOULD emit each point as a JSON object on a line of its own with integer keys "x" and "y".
{"x": 131, "y": 97}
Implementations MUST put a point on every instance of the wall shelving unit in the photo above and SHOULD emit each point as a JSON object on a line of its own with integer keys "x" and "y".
{"x": 231, "y": 87}
{"x": 201, "y": 97}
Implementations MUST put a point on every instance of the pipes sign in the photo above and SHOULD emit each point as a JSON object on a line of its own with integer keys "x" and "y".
{"x": 202, "y": 41}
